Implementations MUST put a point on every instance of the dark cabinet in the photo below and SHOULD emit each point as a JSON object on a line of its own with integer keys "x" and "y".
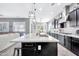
{"x": 28, "y": 49}
{"x": 28, "y": 52}
{"x": 46, "y": 49}
{"x": 49, "y": 49}
{"x": 72, "y": 44}
{"x": 73, "y": 18}
{"x": 68, "y": 42}
{"x": 53, "y": 34}
{"x": 50, "y": 34}
{"x": 77, "y": 17}
{"x": 61, "y": 39}
{"x": 56, "y": 36}
{"x": 75, "y": 46}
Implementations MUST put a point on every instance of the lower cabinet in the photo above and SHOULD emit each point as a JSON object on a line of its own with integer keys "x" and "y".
{"x": 68, "y": 42}
{"x": 49, "y": 49}
{"x": 28, "y": 49}
{"x": 50, "y": 34}
{"x": 72, "y": 44}
{"x": 75, "y": 46}
{"x": 39, "y": 49}
{"x": 61, "y": 39}
{"x": 56, "y": 36}
{"x": 53, "y": 34}
{"x": 28, "y": 52}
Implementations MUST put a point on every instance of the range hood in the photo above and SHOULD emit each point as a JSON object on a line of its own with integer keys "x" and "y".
{"x": 64, "y": 19}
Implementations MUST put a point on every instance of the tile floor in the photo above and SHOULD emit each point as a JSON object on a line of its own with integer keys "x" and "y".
{"x": 61, "y": 51}
{"x": 64, "y": 52}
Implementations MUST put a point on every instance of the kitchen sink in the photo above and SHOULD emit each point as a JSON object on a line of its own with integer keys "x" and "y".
{"x": 43, "y": 35}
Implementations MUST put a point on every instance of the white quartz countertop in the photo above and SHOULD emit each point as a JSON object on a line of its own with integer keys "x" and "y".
{"x": 34, "y": 38}
{"x": 70, "y": 35}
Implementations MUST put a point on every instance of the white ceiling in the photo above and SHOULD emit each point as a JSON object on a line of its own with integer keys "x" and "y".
{"x": 44, "y": 10}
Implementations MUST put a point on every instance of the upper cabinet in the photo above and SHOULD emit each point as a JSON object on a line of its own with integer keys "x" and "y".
{"x": 69, "y": 17}
{"x": 73, "y": 6}
{"x": 73, "y": 18}
{"x": 77, "y": 17}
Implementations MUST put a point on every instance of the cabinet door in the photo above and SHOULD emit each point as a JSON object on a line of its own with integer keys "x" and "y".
{"x": 73, "y": 19}
{"x": 61, "y": 39}
{"x": 77, "y": 17}
{"x": 68, "y": 42}
{"x": 56, "y": 36}
{"x": 28, "y": 52}
{"x": 53, "y": 34}
{"x": 75, "y": 46}
{"x": 28, "y": 49}
{"x": 49, "y": 50}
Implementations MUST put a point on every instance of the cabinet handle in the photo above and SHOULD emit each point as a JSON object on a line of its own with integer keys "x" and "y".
{"x": 28, "y": 45}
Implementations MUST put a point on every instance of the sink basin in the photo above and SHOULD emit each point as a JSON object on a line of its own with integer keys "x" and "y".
{"x": 43, "y": 35}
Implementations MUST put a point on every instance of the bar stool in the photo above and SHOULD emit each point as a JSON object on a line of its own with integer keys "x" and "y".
{"x": 17, "y": 49}
{"x": 18, "y": 46}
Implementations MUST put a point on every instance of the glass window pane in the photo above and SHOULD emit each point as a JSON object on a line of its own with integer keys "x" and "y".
{"x": 4, "y": 26}
{"x": 19, "y": 26}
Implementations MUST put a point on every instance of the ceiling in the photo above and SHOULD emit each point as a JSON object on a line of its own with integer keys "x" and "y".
{"x": 44, "y": 12}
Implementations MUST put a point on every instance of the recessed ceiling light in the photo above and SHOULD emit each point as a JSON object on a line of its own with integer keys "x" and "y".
{"x": 45, "y": 20}
{"x": 40, "y": 9}
{"x": 58, "y": 3}
{"x": 32, "y": 15}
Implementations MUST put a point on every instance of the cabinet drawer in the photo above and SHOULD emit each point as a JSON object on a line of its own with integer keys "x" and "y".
{"x": 28, "y": 45}
{"x": 75, "y": 40}
{"x": 28, "y": 52}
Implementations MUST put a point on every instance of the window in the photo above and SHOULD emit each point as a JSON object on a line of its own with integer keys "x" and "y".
{"x": 19, "y": 26}
{"x": 4, "y": 26}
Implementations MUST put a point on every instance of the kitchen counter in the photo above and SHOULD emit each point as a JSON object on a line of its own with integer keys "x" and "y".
{"x": 70, "y": 35}
{"x": 69, "y": 41}
{"x": 34, "y": 38}
{"x": 40, "y": 45}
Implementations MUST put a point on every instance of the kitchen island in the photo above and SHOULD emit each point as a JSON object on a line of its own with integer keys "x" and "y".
{"x": 37, "y": 45}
